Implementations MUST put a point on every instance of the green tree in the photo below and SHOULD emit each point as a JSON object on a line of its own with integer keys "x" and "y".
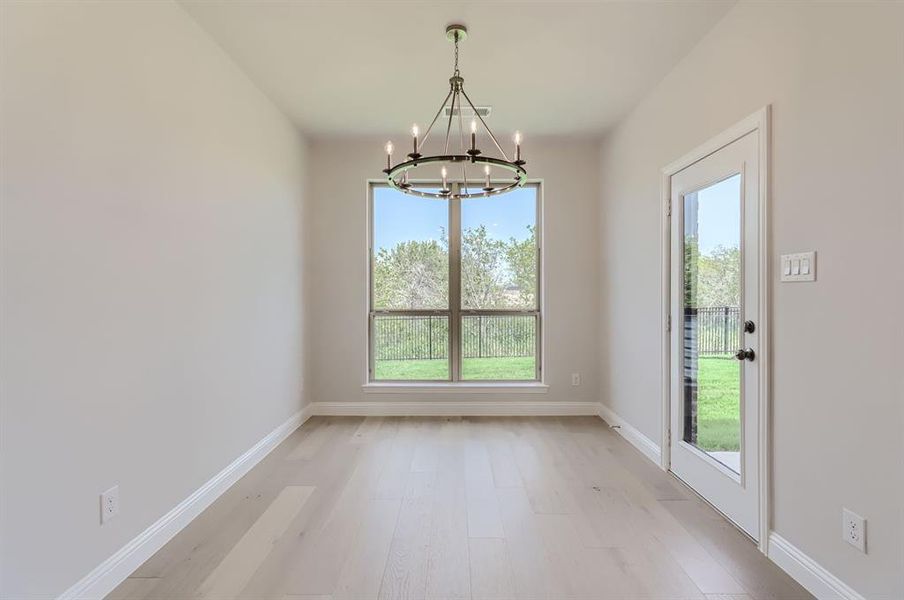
{"x": 712, "y": 279}
{"x": 413, "y": 274}
{"x": 495, "y": 273}
{"x": 719, "y": 277}
{"x": 482, "y": 274}
{"x": 521, "y": 256}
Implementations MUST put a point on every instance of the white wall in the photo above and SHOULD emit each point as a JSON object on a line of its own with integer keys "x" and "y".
{"x": 337, "y": 297}
{"x": 834, "y": 74}
{"x": 151, "y": 276}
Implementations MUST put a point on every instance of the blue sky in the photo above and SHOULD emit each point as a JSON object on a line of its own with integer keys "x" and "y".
{"x": 400, "y": 217}
{"x": 719, "y": 215}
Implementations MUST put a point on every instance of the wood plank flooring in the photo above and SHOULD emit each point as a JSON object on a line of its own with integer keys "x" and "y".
{"x": 534, "y": 508}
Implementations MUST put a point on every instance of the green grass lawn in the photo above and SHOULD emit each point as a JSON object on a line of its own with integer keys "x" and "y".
{"x": 718, "y": 396}
{"x": 718, "y": 417}
{"x": 519, "y": 367}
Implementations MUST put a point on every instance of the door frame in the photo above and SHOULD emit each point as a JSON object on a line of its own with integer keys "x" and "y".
{"x": 759, "y": 122}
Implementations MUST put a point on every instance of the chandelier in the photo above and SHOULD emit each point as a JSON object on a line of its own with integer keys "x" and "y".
{"x": 399, "y": 176}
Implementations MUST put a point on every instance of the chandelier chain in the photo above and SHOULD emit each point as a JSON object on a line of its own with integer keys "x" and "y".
{"x": 456, "y": 54}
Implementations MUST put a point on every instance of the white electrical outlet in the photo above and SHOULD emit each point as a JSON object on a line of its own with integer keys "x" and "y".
{"x": 109, "y": 504}
{"x": 575, "y": 379}
{"x": 854, "y": 530}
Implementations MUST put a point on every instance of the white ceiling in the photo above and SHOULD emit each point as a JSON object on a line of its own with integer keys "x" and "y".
{"x": 374, "y": 67}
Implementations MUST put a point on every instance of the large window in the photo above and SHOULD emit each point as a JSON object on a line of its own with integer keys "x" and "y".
{"x": 454, "y": 287}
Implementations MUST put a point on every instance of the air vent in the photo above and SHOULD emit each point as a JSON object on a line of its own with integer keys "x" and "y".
{"x": 467, "y": 111}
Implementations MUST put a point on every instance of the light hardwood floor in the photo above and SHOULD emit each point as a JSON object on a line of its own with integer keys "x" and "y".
{"x": 454, "y": 508}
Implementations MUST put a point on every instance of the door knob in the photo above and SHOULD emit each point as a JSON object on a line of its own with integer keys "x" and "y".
{"x": 745, "y": 354}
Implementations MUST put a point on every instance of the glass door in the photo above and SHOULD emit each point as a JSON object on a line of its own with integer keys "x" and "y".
{"x": 710, "y": 324}
{"x": 714, "y": 341}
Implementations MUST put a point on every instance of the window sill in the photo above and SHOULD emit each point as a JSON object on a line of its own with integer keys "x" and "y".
{"x": 532, "y": 387}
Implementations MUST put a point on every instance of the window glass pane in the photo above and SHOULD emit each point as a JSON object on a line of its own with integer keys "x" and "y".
{"x": 497, "y": 347}
{"x": 411, "y": 347}
{"x": 499, "y": 251}
{"x": 712, "y": 320}
{"x": 411, "y": 251}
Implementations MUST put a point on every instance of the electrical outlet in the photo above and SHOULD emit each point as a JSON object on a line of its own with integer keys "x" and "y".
{"x": 109, "y": 504}
{"x": 854, "y": 530}
{"x": 575, "y": 379}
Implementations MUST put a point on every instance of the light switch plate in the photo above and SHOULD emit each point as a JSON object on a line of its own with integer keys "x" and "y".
{"x": 798, "y": 267}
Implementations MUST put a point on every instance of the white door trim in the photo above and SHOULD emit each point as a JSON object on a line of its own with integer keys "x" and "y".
{"x": 758, "y": 121}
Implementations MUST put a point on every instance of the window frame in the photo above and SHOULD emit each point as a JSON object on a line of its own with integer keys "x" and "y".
{"x": 454, "y": 313}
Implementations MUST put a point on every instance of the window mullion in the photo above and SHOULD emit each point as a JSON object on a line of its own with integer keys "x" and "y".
{"x": 455, "y": 283}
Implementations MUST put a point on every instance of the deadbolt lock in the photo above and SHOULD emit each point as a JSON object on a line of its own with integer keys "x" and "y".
{"x": 745, "y": 354}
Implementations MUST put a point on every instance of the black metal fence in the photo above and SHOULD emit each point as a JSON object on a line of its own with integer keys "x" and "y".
{"x": 404, "y": 337}
{"x": 717, "y": 328}
{"x": 485, "y": 336}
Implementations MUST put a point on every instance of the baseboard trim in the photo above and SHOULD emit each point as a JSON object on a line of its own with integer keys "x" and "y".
{"x": 815, "y": 578}
{"x": 807, "y": 572}
{"x": 113, "y": 571}
{"x": 456, "y": 409}
{"x": 648, "y": 447}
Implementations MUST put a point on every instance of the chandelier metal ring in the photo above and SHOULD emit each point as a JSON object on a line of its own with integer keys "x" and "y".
{"x": 403, "y": 168}
{"x": 398, "y": 175}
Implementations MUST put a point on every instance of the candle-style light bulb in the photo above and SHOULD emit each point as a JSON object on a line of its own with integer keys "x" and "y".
{"x": 389, "y": 149}
{"x": 517, "y": 146}
{"x": 445, "y": 174}
{"x": 486, "y": 181}
{"x": 473, "y": 134}
{"x": 414, "y": 133}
